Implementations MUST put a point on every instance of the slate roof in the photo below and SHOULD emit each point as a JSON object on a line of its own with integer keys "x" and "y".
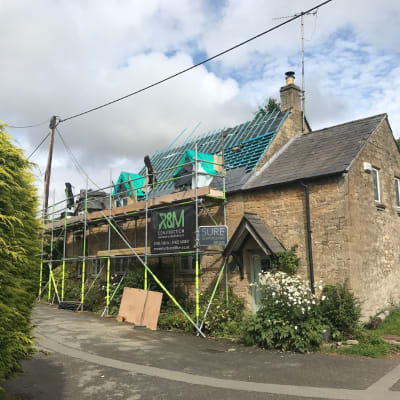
{"x": 244, "y": 146}
{"x": 252, "y": 224}
{"x": 324, "y": 152}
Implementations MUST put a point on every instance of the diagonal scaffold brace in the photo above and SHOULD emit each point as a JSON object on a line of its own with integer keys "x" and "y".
{"x": 153, "y": 275}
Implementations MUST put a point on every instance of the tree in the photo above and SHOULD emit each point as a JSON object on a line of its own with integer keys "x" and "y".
{"x": 272, "y": 105}
{"x": 19, "y": 255}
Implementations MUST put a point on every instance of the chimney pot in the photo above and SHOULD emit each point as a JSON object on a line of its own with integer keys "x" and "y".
{"x": 290, "y": 94}
{"x": 289, "y": 76}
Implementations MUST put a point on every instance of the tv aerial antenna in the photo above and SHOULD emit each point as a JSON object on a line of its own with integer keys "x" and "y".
{"x": 303, "y": 97}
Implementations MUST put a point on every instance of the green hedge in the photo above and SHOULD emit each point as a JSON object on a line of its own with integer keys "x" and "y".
{"x": 19, "y": 255}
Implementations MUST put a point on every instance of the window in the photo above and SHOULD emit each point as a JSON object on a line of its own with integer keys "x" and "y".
{"x": 377, "y": 190}
{"x": 78, "y": 269}
{"x": 187, "y": 265}
{"x": 397, "y": 191}
{"x": 120, "y": 266}
{"x": 95, "y": 267}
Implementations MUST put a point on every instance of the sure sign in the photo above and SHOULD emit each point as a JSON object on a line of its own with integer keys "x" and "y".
{"x": 213, "y": 235}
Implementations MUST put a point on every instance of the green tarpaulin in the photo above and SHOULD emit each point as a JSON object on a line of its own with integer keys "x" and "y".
{"x": 137, "y": 182}
{"x": 189, "y": 156}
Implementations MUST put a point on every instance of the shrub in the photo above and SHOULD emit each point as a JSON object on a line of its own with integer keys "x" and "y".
{"x": 19, "y": 255}
{"x": 288, "y": 318}
{"x": 222, "y": 320}
{"x": 174, "y": 320}
{"x": 341, "y": 310}
{"x": 286, "y": 261}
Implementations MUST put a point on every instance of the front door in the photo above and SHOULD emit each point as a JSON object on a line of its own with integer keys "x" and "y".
{"x": 255, "y": 261}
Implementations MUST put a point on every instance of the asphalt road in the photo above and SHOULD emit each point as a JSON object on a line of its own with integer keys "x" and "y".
{"x": 83, "y": 356}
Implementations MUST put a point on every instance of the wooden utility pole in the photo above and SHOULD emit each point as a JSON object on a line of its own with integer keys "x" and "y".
{"x": 52, "y": 126}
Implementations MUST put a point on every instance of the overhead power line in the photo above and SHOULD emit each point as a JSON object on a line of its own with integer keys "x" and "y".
{"x": 75, "y": 160}
{"x": 198, "y": 64}
{"x": 37, "y": 147}
{"x": 28, "y": 126}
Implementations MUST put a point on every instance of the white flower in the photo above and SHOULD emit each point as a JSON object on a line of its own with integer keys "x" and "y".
{"x": 295, "y": 327}
{"x": 323, "y": 298}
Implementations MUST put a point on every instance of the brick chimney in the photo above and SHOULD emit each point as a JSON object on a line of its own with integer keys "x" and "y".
{"x": 290, "y": 94}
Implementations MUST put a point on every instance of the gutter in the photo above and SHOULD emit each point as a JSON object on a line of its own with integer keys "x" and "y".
{"x": 309, "y": 238}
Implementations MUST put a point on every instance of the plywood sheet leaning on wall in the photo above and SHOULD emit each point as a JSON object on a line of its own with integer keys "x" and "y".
{"x": 140, "y": 307}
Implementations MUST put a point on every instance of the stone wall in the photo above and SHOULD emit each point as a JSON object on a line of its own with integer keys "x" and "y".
{"x": 375, "y": 228}
{"x": 283, "y": 211}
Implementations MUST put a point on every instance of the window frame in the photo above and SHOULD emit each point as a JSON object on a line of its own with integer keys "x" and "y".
{"x": 120, "y": 266}
{"x": 378, "y": 185}
{"x": 397, "y": 191}
{"x": 192, "y": 262}
{"x": 95, "y": 267}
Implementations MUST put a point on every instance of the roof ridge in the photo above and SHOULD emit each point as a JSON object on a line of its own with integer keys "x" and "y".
{"x": 346, "y": 123}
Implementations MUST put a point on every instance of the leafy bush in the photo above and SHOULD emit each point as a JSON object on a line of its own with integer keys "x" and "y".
{"x": 174, "y": 320}
{"x": 223, "y": 320}
{"x": 286, "y": 261}
{"x": 19, "y": 255}
{"x": 341, "y": 310}
{"x": 288, "y": 318}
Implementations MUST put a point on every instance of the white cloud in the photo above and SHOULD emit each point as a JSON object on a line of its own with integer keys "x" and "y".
{"x": 64, "y": 57}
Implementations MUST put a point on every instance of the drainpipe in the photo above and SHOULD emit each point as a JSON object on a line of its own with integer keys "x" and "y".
{"x": 309, "y": 240}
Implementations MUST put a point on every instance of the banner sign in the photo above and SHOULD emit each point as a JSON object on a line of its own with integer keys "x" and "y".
{"x": 173, "y": 229}
{"x": 216, "y": 235}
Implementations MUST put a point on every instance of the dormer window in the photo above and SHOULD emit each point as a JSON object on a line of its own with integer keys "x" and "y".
{"x": 377, "y": 190}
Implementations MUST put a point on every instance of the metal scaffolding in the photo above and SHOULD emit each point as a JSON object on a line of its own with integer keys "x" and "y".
{"x": 111, "y": 220}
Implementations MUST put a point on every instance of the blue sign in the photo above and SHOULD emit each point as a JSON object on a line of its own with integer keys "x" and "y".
{"x": 216, "y": 235}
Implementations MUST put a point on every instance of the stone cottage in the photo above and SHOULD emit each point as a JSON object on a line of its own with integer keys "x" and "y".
{"x": 334, "y": 193}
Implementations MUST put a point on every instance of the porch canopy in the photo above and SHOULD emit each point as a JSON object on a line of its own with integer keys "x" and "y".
{"x": 253, "y": 226}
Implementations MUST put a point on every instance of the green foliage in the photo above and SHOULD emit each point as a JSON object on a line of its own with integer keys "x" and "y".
{"x": 221, "y": 320}
{"x": 19, "y": 255}
{"x": 391, "y": 324}
{"x": 341, "y": 310}
{"x": 286, "y": 261}
{"x": 371, "y": 345}
{"x": 272, "y": 105}
{"x": 398, "y": 142}
{"x": 174, "y": 320}
{"x": 269, "y": 333}
{"x": 288, "y": 318}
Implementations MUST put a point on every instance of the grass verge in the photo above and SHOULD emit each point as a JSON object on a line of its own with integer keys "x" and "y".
{"x": 371, "y": 342}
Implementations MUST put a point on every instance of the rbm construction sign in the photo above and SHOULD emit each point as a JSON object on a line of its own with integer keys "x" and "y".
{"x": 173, "y": 229}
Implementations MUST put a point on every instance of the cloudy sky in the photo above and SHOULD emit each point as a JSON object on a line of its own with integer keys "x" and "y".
{"x": 61, "y": 57}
